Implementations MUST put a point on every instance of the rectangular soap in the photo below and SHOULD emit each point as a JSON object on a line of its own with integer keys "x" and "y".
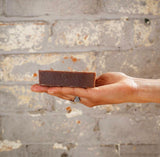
{"x": 67, "y": 79}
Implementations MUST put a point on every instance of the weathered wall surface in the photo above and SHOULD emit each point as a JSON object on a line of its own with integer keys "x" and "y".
{"x": 81, "y": 35}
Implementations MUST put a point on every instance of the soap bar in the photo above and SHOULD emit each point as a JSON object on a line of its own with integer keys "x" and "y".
{"x": 67, "y": 79}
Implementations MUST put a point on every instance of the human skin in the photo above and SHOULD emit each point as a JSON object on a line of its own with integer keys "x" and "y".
{"x": 111, "y": 88}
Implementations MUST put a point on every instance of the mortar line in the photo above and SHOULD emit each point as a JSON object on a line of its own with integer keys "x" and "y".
{"x": 84, "y": 145}
{"x": 74, "y": 50}
{"x": 87, "y": 50}
{"x": 51, "y": 17}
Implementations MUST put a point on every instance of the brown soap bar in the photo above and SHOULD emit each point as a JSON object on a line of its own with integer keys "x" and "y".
{"x": 67, "y": 79}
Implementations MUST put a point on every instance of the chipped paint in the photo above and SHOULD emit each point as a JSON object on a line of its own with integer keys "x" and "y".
{"x": 88, "y": 33}
{"x": 78, "y": 121}
{"x": 104, "y": 107}
{"x": 22, "y": 36}
{"x": 68, "y": 109}
{"x": 37, "y": 106}
{"x": 75, "y": 112}
{"x": 74, "y": 59}
{"x": 34, "y": 115}
{"x": 59, "y": 146}
{"x": 24, "y": 99}
{"x": 11, "y": 65}
{"x": 133, "y": 67}
{"x": 7, "y": 145}
{"x": 109, "y": 108}
{"x": 35, "y": 75}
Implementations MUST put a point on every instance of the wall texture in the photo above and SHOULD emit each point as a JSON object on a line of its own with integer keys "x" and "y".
{"x": 81, "y": 35}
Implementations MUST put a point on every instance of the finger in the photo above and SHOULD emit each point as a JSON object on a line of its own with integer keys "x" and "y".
{"x": 66, "y": 97}
{"x": 80, "y": 92}
{"x": 38, "y": 88}
{"x": 71, "y": 98}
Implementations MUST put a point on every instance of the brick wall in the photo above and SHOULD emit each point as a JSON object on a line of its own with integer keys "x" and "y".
{"x": 102, "y": 36}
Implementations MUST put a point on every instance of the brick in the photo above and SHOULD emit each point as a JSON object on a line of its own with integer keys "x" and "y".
{"x": 136, "y": 7}
{"x": 24, "y": 68}
{"x": 148, "y": 109}
{"x": 23, "y": 36}
{"x": 139, "y": 150}
{"x": 48, "y": 128}
{"x": 133, "y": 63}
{"x": 15, "y": 152}
{"x": 147, "y": 33}
{"x": 39, "y": 150}
{"x": 132, "y": 109}
{"x": 96, "y": 151}
{"x": 108, "y": 34}
{"x": 21, "y": 99}
{"x": 52, "y": 7}
{"x": 126, "y": 129}
{"x": 1, "y": 7}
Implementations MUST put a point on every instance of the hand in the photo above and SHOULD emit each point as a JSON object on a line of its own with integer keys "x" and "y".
{"x": 111, "y": 88}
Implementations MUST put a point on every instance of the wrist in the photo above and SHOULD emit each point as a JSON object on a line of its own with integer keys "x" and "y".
{"x": 148, "y": 90}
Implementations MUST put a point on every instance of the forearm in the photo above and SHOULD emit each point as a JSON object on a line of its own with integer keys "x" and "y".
{"x": 148, "y": 90}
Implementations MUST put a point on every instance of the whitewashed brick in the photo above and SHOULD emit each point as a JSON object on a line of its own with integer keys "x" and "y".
{"x": 133, "y": 63}
{"x": 24, "y": 68}
{"x": 51, "y": 7}
{"x": 109, "y": 34}
{"x": 124, "y": 129}
{"x": 23, "y": 36}
{"x": 127, "y": 7}
{"x": 21, "y": 99}
{"x": 14, "y": 152}
{"x": 147, "y": 33}
{"x": 96, "y": 151}
{"x": 150, "y": 150}
{"x": 48, "y": 128}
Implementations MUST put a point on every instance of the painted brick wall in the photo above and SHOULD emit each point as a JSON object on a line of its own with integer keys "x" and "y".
{"x": 76, "y": 35}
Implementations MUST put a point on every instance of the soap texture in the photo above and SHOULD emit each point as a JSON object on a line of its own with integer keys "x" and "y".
{"x": 67, "y": 79}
